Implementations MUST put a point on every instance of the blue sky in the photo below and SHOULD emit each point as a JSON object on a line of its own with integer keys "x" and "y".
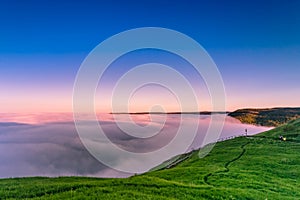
{"x": 255, "y": 44}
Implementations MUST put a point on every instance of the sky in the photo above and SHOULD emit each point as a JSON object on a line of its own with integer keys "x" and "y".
{"x": 255, "y": 45}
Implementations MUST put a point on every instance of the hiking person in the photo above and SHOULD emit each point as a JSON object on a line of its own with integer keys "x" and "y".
{"x": 282, "y": 138}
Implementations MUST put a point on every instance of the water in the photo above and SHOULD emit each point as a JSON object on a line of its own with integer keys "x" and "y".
{"x": 48, "y": 144}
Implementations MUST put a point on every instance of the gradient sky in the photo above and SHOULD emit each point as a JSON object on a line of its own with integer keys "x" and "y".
{"x": 255, "y": 44}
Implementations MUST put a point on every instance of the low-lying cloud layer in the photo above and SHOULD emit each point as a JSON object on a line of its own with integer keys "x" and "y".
{"x": 55, "y": 149}
{"x": 46, "y": 150}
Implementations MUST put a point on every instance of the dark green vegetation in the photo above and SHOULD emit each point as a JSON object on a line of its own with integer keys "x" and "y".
{"x": 266, "y": 117}
{"x": 172, "y": 113}
{"x": 258, "y": 167}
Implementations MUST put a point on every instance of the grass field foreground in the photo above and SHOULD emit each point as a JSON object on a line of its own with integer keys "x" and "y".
{"x": 257, "y": 167}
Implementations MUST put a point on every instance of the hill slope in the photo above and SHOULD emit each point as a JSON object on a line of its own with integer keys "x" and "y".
{"x": 258, "y": 167}
{"x": 266, "y": 117}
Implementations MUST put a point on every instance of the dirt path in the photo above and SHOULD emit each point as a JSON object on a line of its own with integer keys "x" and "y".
{"x": 205, "y": 178}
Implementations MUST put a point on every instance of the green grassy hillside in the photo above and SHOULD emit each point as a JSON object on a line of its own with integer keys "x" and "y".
{"x": 258, "y": 167}
{"x": 266, "y": 117}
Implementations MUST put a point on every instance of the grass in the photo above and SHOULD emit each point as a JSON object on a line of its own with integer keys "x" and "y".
{"x": 267, "y": 116}
{"x": 257, "y": 167}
